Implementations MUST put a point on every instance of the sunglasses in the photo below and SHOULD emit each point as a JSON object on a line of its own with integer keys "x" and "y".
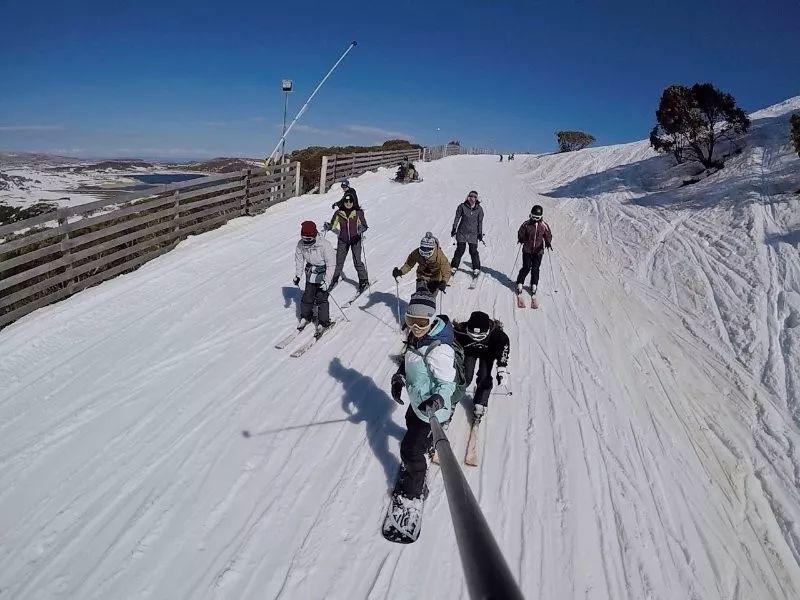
{"x": 473, "y": 196}
{"x": 348, "y": 201}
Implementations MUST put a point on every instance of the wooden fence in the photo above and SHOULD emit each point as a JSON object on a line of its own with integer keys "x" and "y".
{"x": 337, "y": 166}
{"x": 49, "y": 257}
{"x": 437, "y": 152}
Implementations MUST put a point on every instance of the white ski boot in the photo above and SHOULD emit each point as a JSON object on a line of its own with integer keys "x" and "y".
{"x": 480, "y": 411}
{"x": 519, "y": 288}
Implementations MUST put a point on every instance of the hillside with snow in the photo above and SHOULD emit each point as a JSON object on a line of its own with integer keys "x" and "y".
{"x": 649, "y": 449}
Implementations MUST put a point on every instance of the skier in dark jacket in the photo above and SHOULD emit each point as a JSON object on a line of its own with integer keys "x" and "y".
{"x": 468, "y": 229}
{"x": 351, "y": 224}
{"x": 484, "y": 342}
{"x": 348, "y": 192}
{"x": 534, "y": 235}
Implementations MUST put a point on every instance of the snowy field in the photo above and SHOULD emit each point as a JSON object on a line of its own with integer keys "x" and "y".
{"x": 649, "y": 449}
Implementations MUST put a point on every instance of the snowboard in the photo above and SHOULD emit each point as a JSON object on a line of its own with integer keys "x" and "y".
{"x": 403, "y": 521}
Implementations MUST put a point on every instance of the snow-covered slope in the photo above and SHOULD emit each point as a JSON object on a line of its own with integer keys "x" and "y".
{"x": 648, "y": 451}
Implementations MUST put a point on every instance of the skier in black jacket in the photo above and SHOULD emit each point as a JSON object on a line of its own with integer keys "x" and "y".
{"x": 349, "y": 193}
{"x": 485, "y": 342}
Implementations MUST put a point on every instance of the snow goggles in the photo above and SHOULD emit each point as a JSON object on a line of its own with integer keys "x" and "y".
{"x": 308, "y": 239}
{"x": 478, "y": 336}
{"x": 419, "y": 325}
{"x": 536, "y": 217}
{"x": 426, "y": 252}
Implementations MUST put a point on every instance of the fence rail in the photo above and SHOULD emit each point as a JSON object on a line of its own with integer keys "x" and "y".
{"x": 337, "y": 166}
{"x": 51, "y": 256}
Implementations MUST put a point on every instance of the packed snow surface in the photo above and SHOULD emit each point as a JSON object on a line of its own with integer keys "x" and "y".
{"x": 154, "y": 444}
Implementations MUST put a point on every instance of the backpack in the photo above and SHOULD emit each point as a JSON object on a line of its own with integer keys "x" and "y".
{"x": 458, "y": 365}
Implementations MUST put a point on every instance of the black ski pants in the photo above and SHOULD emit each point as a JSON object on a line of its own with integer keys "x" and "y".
{"x": 484, "y": 382}
{"x": 530, "y": 262}
{"x": 314, "y": 295}
{"x": 413, "y": 449}
{"x": 341, "y": 254}
{"x": 473, "y": 254}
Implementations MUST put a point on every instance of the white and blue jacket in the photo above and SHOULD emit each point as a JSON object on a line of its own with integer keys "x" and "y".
{"x": 430, "y": 368}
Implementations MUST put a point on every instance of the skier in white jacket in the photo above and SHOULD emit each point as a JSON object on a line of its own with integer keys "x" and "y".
{"x": 315, "y": 257}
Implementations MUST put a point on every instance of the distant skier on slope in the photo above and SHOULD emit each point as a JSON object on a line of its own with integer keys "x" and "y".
{"x": 348, "y": 192}
{"x": 429, "y": 374}
{"x": 534, "y": 235}
{"x": 406, "y": 172}
{"x": 433, "y": 268}
{"x": 484, "y": 342}
{"x": 350, "y": 223}
{"x": 313, "y": 256}
{"x": 468, "y": 229}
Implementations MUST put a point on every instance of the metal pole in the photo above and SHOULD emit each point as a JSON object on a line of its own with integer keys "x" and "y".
{"x": 516, "y": 258}
{"x": 485, "y": 569}
{"x": 283, "y": 133}
{"x": 268, "y": 160}
{"x": 337, "y": 306}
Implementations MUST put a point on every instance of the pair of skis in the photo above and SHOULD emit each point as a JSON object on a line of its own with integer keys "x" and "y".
{"x": 521, "y": 301}
{"x": 305, "y": 347}
{"x": 471, "y": 455}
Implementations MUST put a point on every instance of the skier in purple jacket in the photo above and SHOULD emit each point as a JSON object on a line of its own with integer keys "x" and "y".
{"x": 351, "y": 224}
{"x": 534, "y": 235}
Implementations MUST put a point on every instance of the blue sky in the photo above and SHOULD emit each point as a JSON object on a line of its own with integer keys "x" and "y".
{"x": 196, "y": 79}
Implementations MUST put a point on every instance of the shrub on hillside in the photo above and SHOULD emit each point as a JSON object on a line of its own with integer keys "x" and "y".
{"x": 573, "y": 140}
{"x": 692, "y": 121}
{"x": 12, "y": 214}
{"x": 795, "y": 132}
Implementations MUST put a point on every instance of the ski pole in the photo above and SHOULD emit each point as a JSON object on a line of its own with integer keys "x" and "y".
{"x": 364, "y": 258}
{"x": 397, "y": 296}
{"x": 339, "y": 307}
{"x": 552, "y": 275}
{"x": 516, "y": 258}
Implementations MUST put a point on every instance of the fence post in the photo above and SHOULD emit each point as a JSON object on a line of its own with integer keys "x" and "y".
{"x": 246, "y": 204}
{"x": 176, "y": 207}
{"x": 323, "y": 172}
{"x": 66, "y": 247}
{"x": 297, "y": 178}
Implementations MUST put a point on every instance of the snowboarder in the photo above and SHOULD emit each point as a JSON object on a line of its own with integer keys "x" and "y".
{"x": 468, "y": 229}
{"x": 433, "y": 268}
{"x": 348, "y": 192}
{"x": 315, "y": 257}
{"x": 534, "y": 235}
{"x": 351, "y": 224}
{"x": 484, "y": 342}
{"x": 429, "y": 375}
{"x": 406, "y": 172}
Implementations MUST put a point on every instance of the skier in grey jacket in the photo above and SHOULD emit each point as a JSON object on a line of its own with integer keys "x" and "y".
{"x": 468, "y": 229}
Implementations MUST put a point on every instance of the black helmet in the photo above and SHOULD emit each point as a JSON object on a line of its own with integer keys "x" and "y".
{"x": 536, "y": 212}
{"x": 478, "y": 325}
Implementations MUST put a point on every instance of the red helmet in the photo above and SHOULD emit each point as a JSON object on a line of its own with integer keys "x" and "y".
{"x": 308, "y": 229}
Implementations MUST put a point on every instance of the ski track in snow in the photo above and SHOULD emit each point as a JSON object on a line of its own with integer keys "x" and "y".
{"x": 154, "y": 444}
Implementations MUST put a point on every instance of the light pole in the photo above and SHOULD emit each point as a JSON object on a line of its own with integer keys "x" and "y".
{"x": 286, "y": 86}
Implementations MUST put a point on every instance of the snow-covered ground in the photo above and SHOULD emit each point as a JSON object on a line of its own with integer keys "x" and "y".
{"x": 649, "y": 449}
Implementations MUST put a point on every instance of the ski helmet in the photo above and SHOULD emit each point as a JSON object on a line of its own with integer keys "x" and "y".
{"x": 478, "y": 326}
{"x": 345, "y": 184}
{"x": 421, "y": 312}
{"x": 427, "y": 246}
{"x": 537, "y": 212}
{"x": 308, "y": 232}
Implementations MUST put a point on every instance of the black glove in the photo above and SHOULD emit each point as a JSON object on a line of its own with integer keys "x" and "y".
{"x": 398, "y": 383}
{"x": 480, "y": 237}
{"x": 326, "y": 226}
{"x": 432, "y": 404}
{"x": 433, "y": 286}
{"x": 548, "y": 245}
{"x": 396, "y": 272}
{"x": 296, "y": 281}
{"x": 453, "y": 233}
{"x": 355, "y": 239}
